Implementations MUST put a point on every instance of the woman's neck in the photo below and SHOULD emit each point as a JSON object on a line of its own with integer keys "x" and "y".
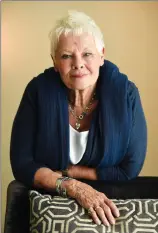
{"x": 81, "y": 98}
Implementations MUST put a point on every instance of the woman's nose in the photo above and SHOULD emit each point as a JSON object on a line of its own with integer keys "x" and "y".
{"x": 76, "y": 67}
{"x": 77, "y": 63}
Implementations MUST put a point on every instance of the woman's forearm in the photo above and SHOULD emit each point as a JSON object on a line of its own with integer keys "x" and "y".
{"x": 46, "y": 178}
{"x": 82, "y": 172}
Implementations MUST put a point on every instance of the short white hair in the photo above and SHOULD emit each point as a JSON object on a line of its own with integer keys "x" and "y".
{"x": 76, "y": 23}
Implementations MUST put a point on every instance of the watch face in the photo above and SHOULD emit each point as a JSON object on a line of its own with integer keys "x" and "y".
{"x": 64, "y": 172}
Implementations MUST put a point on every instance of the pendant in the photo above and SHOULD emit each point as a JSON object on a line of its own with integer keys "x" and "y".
{"x": 77, "y": 125}
{"x": 80, "y": 117}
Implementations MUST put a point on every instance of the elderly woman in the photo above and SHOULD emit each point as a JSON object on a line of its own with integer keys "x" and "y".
{"x": 82, "y": 119}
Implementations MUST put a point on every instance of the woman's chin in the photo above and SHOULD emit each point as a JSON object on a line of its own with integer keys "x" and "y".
{"x": 79, "y": 86}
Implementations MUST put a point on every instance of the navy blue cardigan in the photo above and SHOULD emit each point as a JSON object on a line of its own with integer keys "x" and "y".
{"x": 117, "y": 139}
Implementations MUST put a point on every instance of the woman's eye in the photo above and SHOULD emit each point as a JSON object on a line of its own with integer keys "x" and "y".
{"x": 87, "y": 54}
{"x": 65, "y": 56}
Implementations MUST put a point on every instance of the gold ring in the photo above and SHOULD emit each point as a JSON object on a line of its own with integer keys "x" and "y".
{"x": 90, "y": 210}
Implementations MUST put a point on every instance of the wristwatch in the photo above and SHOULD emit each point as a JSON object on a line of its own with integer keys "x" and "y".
{"x": 65, "y": 172}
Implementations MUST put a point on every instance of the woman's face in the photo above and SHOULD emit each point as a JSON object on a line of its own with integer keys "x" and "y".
{"x": 78, "y": 60}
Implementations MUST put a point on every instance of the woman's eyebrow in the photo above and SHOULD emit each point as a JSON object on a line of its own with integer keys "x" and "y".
{"x": 87, "y": 48}
{"x": 65, "y": 50}
{"x": 69, "y": 51}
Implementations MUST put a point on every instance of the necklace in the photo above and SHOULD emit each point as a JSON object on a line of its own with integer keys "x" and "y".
{"x": 83, "y": 114}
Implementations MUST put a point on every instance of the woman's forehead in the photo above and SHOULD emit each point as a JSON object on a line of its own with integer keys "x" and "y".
{"x": 70, "y": 41}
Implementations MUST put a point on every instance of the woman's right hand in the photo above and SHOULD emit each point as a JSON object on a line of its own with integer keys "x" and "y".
{"x": 101, "y": 209}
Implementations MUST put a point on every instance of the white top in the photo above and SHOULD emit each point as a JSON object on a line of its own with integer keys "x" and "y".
{"x": 78, "y": 142}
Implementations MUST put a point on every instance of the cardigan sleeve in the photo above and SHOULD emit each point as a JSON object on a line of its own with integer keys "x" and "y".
{"x": 133, "y": 160}
{"x": 23, "y": 138}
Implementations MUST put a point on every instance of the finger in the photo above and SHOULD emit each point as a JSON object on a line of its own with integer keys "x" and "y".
{"x": 94, "y": 216}
{"x": 113, "y": 207}
{"x": 100, "y": 212}
{"x": 107, "y": 211}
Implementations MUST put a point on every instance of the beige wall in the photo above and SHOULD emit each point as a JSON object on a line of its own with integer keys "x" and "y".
{"x": 131, "y": 38}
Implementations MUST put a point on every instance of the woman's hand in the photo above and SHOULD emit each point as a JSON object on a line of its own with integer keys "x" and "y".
{"x": 100, "y": 208}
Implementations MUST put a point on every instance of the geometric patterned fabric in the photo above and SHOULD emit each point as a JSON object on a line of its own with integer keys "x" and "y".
{"x": 64, "y": 215}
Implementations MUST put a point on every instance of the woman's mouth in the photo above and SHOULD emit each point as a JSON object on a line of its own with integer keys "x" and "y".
{"x": 78, "y": 75}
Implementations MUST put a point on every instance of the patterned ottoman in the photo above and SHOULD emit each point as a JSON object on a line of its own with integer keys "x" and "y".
{"x": 64, "y": 215}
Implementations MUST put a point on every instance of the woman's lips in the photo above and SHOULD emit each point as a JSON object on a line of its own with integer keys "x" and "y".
{"x": 78, "y": 75}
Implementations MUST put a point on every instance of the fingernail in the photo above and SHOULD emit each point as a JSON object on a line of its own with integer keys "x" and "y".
{"x": 113, "y": 222}
{"x": 99, "y": 222}
{"x": 117, "y": 214}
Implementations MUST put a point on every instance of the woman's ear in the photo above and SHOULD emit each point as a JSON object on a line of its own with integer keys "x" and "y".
{"x": 102, "y": 56}
{"x": 55, "y": 68}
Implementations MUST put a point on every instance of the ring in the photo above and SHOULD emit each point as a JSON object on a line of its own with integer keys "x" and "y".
{"x": 97, "y": 208}
{"x": 90, "y": 210}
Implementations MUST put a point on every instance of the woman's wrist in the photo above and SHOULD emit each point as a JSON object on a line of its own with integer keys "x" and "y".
{"x": 70, "y": 186}
{"x": 61, "y": 190}
{"x": 70, "y": 171}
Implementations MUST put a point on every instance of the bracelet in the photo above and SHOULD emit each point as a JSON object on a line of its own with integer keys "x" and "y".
{"x": 60, "y": 190}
